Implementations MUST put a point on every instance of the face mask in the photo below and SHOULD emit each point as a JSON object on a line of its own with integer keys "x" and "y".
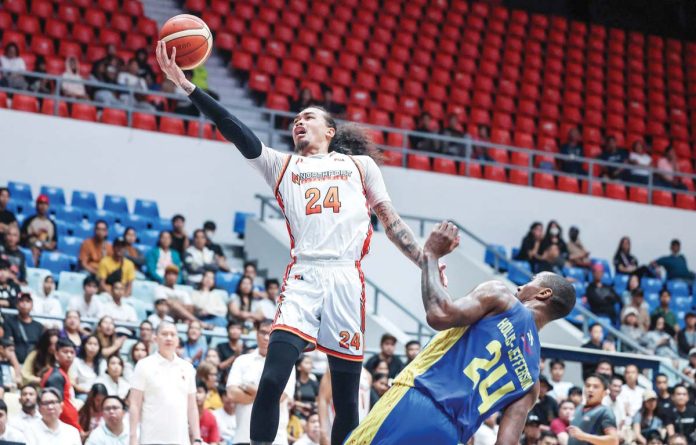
{"x": 554, "y": 231}
{"x": 210, "y": 235}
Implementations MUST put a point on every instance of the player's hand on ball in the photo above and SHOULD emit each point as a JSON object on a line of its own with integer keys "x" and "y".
{"x": 443, "y": 239}
{"x": 168, "y": 64}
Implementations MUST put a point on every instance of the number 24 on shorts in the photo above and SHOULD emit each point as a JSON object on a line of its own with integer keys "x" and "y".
{"x": 345, "y": 336}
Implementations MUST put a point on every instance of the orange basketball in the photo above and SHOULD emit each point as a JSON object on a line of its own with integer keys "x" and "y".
{"x": 191, "y": 37}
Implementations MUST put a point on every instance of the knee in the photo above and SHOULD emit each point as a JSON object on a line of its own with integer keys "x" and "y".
{"x": 271, "y": 385}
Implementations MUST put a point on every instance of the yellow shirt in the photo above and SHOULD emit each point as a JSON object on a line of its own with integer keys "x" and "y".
{"x": 107, "y": 266}
{"x": 213, "y": 401}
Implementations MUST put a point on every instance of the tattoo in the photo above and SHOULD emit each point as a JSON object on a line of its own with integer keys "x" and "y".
{"x": 188, "y": 87}
{"x": 432, "y": 291}
{"x": 399, "y": 232}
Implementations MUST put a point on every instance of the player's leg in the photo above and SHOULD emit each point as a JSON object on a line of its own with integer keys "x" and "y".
{"x": 283, "y": 351}
{"x": 345, "y": 384}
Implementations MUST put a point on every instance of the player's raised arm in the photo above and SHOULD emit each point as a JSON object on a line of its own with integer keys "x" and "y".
{"x": 398, "y": 231}
{"x": 514, "y": 418}
{"x": 231, "y": 128}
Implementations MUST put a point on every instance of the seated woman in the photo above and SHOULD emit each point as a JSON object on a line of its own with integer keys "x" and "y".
{"x": 113, "y": 379}
{"x": 208, "y": 305}
{"x": 90, "y": 415}
{"x": 626, "y": 263}
{"x": 630, "y": 325}
{"x": 666, "y": 167}
{"x": 72, "y": 330}
{"x": 88, "y": 365}
{"x": 106, "y": 333}
{"x": 195, "y": 345}
{"x": 41, "y": 358}
{"x": 132, "y": 253}
{"x": 646, "y": 423}
{"x": 208, "y": 374}
{"x": 242, "y": 305}
{"x": 529, "y": 249}
{"x": 137, "y": 352}
{"x": 158, "y": 258}
{"x": 659, "y": 341}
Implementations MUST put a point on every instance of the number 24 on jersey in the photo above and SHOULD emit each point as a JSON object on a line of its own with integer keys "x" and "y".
{"x": 331, "y": 201}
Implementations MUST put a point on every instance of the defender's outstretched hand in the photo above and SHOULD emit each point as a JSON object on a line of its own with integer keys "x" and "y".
{"x": 168, "y": 64}
{"x": 442, "y": 240}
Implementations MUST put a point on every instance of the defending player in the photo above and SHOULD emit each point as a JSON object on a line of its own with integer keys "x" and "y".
{"x": 486, "y": 359}
{"x": 326, "y": 196}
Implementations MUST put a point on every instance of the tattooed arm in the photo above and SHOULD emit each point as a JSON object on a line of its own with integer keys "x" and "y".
{"x": 399, "y": 232}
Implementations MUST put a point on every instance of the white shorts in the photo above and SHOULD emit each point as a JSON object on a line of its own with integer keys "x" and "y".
{"x": 324, "y": 303}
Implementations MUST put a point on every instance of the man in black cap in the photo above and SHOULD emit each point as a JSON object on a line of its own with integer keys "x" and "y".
{"x": 387, "y": 346}
{"x": 686, "y": 339}
{"x": 9, "y": 290}
{"x": 546, "y": 408}
{"x": 531, "y": 432}
{"x": 24, "y": 330}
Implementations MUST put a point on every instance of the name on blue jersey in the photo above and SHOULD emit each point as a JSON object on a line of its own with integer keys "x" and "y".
{"x": 519, "y": 364}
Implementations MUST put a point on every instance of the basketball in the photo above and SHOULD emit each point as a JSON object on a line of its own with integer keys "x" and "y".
{"x": 191, "y": 38}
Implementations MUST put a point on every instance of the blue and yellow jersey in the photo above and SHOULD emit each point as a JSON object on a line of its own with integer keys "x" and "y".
{"x": 475, "y": 371}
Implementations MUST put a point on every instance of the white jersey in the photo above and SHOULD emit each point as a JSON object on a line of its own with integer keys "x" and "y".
{"x": 326, "y": 200}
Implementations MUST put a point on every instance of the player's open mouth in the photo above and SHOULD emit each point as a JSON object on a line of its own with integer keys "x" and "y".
{"x": 300, "y": 131}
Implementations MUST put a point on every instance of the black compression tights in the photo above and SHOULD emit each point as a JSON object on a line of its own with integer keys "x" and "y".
{"x": 284, "y": 350}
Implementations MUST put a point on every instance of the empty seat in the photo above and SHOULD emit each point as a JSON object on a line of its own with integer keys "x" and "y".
{"x": 419, "y": 162}
{"x": 115, "y": 204}
{"x": 84, "y": 112}
{"x": 638, "y": 194}
{"x": 144, "y": 121}
{"x": 25, "y": 103}
{"x": 544, "y": 181}
{"x": 494, "y": 173}
{"x": 57, "y": 262}
{"x": 444, "y": 165}
{"x": 84, "y": 200}
{"x": 616, "y": 191}
{"x": 568, "y": 184}
{"x": 686, "y": 202}
{"x": 114, "y": 116}
{"x": 172, "y": 125}
{"x": 146, "y": 208}
{"x": 662, "y": 198}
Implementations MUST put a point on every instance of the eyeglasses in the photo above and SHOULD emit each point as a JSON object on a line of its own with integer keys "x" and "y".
{"x": 50, "y": 403}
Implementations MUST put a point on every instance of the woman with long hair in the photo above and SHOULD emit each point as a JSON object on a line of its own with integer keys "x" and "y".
{"x": 659, "y": 339}
{"x": 529, "y": 249}
{"x": 71, "y": 329}
{"x": 306, "y": 388}
{"x": 158, "y": 258}
{"x": 90, "y": 415}
{"x": 88, "y": 365}
{"x": 208, "y": 374}
{"x": 137, "y": 352}
{"x": 242, "y": 306}
{"x": 626, "y": 263}
{"x": 133, "y": 254}
{"x": 106, "y": 333}
{"x": 208, "y": 305}
{"x": 113, "y": 379}
{"x": 41, "y": 358}
{"x": 645, "y": 422}
{"x": 327, "y": 190}
{"x": 554, "y": 235}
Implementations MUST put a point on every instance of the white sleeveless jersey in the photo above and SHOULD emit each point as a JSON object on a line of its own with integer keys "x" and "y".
{"x": 326, "y": 200}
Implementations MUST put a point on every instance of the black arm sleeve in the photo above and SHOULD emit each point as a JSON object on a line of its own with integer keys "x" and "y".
{"x": 231, "y": 128}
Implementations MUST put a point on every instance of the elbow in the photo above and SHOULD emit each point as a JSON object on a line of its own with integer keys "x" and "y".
{"x": 438, "y": 320}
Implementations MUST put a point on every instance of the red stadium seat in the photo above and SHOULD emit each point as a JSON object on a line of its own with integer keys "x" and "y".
{"x": 49, "y": 107}
{"x": 616, "y": 191}
{"x": 109, "y": 5}
{"x": 662, "y": 198}
{"x": 69, "y": 13}
{"x": 67, "y": 49}
{"x": 95, "y": 18}
{"x": 568, "y": 184}
{"x": 95, "y": 53}
{"x": 444, "y": 165}
{"x": 597, "y": 189}
{"x": 544, "y": 181}
{"x": 28, "y": 24}
{"x": 42, "y": 8}
{"x": 638, "y": 194}
{"x": 494, "y": 173}
{"x": 84, "y": 112}
{"x": 145, "y": 121}
{"x": 194, "y": 130}
{"x": 43, "y": 46}
{"x": 171, "y": 125}
{"x": 121, "y": 22}
{"x": 114, "y": 117}
{"x": 25, "y": 103}
{"x": 15, "y": 6}
{"x": 686, "y": 202}
{"x": 519, "y": 177}
{"x": 419, "y": 162}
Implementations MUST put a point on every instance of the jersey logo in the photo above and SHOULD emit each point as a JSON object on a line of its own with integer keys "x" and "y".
{"x": 327, "y": 175}
{"x": 298, "y": 277}
{"x": 295, "y": 178}
{"x": 525, "y": 344}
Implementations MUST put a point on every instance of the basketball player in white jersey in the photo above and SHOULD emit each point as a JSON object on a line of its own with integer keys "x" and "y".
{"x": 326, "y": 191}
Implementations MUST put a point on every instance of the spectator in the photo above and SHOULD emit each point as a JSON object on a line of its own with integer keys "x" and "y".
{"x": 145, "y": 71}
{"x": 39, "y": 232}
{"x": 547, "y": 438}
{"x": 659, "y": 340}
{"x": 207, "y": 374}
{"x": 38, "y": 84}
{"x": 631, "y": 393}
{"x": 334, "y": 108}
{"x": 454, "y": 130}
{"x": 531, "y": 431}
{"x": 646, "y": 423}
{"x": 113, "y": 430}
{"x": 107, "y": 75}
{"x": 312, "y": 432}
{"x": 42, "y": 357}
{"x": 137, "y": 86}
{"x": 58, "y": 379}
{"x": 306, "y": 388}
{"x": 10, "y": 369}
{"x": 546, "y": 407}
{"x": 638, "y": 304}
{"x": 677, "y": 439}
{"x": 71, "y": 328}
{"x": 113, "y": 378}
{"x": 251, "y": 272}
{"x": 159, "y": 258}
{"x": 412, "y": 349}
{"x": 94, "y": 249}
{"x": 9, "y": 290}
{"x": 625, "y": 262}
{"x": 595, "y": 342}
{"x": 480, "y": 152}
{"x": 10, "y": 252}
{"x": 552, "y": 261}
{"x": 304, "y": 100}
{"x": 137, "y": 352}
{"x": 209, "y": 305}
{"x": 578, "y": 256}
{"x": 664, "y": 310}
{"x": 242, "y": 305}
{"x": 180, "y": 241}
{"x": 267, "y": 306}
{"x": 487, "y": 434}
{"x": 690, "y": 369}
{"x": 560, "y": 386}
{"x": 178, "y": 300}
{"x": 602, "y": 299}
{"x": 616, "y": 403}
{"x": 572, "y": 149}
{"x": 631, "y": 326}
{"x": 119, "y": 310}
{"x": 7, "y": 218}
{"x": 163, "y": 379}
{"x": 88, "y": 365}
{"x": 421, "y": 142}
{"x": 387, "y": 347}
{"x": 554, "y": 236}
{"x": 106, "y": 333}
{"x": 207, "y": 423}
{"x": 243, "y": 383}
{"x": 380, "y": 385}
{"x": 226, "y": 418}
{"x": 664, "y": 400}
{"x": 593, "y": 422}
{"x": 147, "y": 337}
{"x": 132, "y": 253}
{"x": 29, "y": 414}
{"x": 75, "y": 90}
{"x": 233, "y": 348}
{"x": 195, "y": 345}
{"x": 684, "y": 413}
{"x": 575, "y": 395}
{"x": 675, "y": 264}
{"x": 199, "y": 258}
{"x": 559, "y": 425}
{"x": 12, "y": 67}
{"x": 686, "y": 339}
{"x": 50, "y": 429}
{"x": 87, "y": 305}
{"x": 529, "y": 249}
{"x": 22, "y": 328}
{"x": 161, "y": 313}
{"x": 116, "y": 267}
{"x": 209, "y": 228}
{"x": 667, "y": 166}
{"x": 641, "y": 159}
{"x": 612, "y": 153}
{"x": 90, "y": 415}
{"x": 112, "y": 58}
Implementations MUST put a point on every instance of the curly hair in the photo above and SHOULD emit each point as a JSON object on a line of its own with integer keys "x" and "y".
{"x": 351, "y": 139}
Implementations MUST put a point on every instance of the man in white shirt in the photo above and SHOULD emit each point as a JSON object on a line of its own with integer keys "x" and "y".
{"x": 199, "y": 258}
{"x": 116, "y": 308}
{"x": 226, "y": 418}
{"x": 179, "y": 300}
{"x": 50, "y": 430}
{"x": 616, "y": 403}
{"x": 631, "y": 393}
{"x": 88, "y": 305}
{"x": 312, "y": 432}
{"x": 8, "y": 432}
{"x": 163, "y": 395}
{"x": 29, "y": 414}
{"x": 560, "y": 387}
{"x": 112, "y": 431}
{"x": 243, "y": 384}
